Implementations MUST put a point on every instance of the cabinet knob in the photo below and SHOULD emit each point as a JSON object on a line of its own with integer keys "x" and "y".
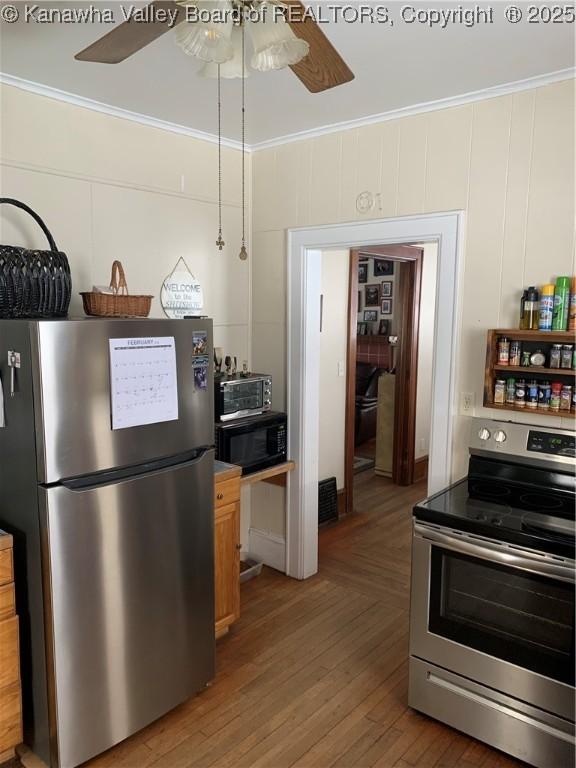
{"x": 219, "y": 496}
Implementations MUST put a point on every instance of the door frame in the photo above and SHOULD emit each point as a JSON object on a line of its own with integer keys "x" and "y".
{"x": 304, "y": 247}
{"x": 406, "y": 364}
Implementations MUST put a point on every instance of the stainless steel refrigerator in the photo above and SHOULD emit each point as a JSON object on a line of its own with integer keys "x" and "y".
{"x": 106, "y": 483}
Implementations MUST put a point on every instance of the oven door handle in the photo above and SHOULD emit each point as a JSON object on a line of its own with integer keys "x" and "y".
{"x": 503, "y": 554}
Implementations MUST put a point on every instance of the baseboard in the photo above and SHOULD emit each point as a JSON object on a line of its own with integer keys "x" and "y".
{"x": 269, "y": 548}
{"x": 421, "y": 469}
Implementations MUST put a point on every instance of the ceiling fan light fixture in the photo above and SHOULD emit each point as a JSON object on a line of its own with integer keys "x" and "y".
{"x": 275, "y": 45}
{"x": 210, "y": 40}
{"x": 232, "y": 68}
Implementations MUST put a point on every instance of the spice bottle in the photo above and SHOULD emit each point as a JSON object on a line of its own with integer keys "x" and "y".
{"x": 566, "y": 361}
{"x": 503, "y": 350}
{"x": 556, "y": 388}
{"x": 561, "y": 301}
{"x": 573, "y": 408}
{"x": 572, "y": 307}
{"x": 532, "y": 399}
{"x": 520, "y": 400}
{"x": 565, "y": 397}
{"x": 544, "y": 392}
{"x": 546, "y": 308}
{"x": 555, "y": 355}
{"x": 510, "y": 391}
{"x": 515, "y": 352}
{"x": 531, "y": 314}
{"x": 499, "y": 391}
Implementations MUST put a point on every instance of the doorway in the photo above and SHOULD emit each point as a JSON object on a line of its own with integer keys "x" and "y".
{"x": 304, "y": 278}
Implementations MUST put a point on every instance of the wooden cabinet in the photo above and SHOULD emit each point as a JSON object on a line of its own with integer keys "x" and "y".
{"x": 227, "y": 551}
{"x": 10, "y": 695}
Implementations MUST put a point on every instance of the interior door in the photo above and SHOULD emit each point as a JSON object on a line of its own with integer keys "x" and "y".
{"x": 73, "y": 398}
{"x": 130, "y": 567}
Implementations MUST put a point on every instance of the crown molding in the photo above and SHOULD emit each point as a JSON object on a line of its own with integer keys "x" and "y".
{"x": 107, "y": 109}
{"x": 429, "y": 106}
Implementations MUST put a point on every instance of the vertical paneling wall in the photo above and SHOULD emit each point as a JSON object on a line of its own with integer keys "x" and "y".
{"x": 109, "y": 188}
{"x": 508, "y": 162}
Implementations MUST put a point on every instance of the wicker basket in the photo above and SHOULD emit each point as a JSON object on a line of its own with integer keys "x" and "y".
{"x": 119, "y": 303}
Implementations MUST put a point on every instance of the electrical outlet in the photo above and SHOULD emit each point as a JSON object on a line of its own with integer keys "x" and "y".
{"x": 467, "y": 402}
{"x": 341, "y": 368}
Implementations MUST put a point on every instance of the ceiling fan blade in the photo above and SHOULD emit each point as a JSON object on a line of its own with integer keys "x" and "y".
{"x": 130, "y": 36}
{"x": 323, "y": 68}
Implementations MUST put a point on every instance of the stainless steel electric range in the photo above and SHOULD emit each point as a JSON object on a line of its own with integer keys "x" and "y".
{"x": 492, "y": 597}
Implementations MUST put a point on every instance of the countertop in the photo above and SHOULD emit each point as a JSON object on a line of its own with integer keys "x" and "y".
{"x": 224, "y": 471}
{"x": 5, "y": 540}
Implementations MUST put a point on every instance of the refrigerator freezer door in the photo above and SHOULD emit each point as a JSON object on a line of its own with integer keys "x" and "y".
{"x": 130, "y": 623}
{"x": 73, "y": 399}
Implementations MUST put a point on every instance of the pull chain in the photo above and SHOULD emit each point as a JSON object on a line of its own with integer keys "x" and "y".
{"x": 219, "y": 242}
{"x": 243, "y": 252}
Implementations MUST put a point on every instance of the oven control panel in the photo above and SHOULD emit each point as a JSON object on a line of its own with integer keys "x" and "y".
{"x": 551, "y": 444}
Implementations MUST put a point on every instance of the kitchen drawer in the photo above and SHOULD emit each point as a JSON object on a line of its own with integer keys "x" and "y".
{"x": 10, "y": 717}
{"x": 9, "y": 657}
{"x": 7, "y": 601}
{"x": 227, "y": 492}
{"x": 6, "y": 569}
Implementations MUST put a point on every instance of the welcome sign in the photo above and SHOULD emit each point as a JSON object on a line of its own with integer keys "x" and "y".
{"x": 181, "y": 294}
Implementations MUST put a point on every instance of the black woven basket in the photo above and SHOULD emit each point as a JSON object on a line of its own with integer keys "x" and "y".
{"x": 33, "y": 283}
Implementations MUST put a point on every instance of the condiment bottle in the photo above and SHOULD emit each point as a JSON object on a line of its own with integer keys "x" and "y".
{"x": 510, "y": 391}
{"x": 522, "y": 325}
{"x": 520, "y": 400}
{"x": 499, "y": 391}
{"x": 565, "y": 397}
{"x": 572, "y": 307}
{"x": 544, "y": 395}
{"x": 561, "y": 301}
{"x": 532, "y": 399}
{"x": 556, "y": 388}
{"x": 546, "y": 308}
{"x": 555, "y": 355}
{"x": 531, "y": 314}
{"x": 503, "y": 350}
{"x": 566, "y": 361}
{"x": 515, "y": 352}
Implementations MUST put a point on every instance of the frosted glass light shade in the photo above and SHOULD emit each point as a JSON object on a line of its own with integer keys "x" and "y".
{"x": 231, "y": 68}
{"x": 275, "y": 45}
{"x": 208, "y": 40}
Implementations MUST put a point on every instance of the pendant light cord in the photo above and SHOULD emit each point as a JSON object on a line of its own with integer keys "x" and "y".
{"x": 219, "y": 242}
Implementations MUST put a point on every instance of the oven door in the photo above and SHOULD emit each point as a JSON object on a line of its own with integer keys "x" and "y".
{"x": 252, "y": 446}
{"x": 495, "y": 613}
{"x": 241, "y": 398}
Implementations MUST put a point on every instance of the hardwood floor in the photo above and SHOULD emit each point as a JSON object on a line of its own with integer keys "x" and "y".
{"x": 315, "y": 673}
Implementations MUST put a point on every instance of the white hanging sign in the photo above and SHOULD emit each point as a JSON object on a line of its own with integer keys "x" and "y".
{"x": 181, "y": 293}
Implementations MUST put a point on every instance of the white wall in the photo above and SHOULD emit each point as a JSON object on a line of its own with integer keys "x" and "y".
{"x": 109, "y": 188}
{"x": 508, "y": 162}
{"x": 333, "y": 349}
{"x": 425, "y": 349}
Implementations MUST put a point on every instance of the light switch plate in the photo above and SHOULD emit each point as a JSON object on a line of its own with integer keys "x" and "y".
{"x": 467, "y": 402}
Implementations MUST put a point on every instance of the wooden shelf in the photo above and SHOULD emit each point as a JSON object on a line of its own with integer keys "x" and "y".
{"x": 551, "y": 336}
{"x": 550, "y": 372}
{"x": 531, "y": 411}
{"x": 275, "y": 475}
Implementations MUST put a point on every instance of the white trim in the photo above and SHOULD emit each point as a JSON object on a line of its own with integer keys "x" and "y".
{"x": 304, "y": 274}
{"x": 108, "y": 109}
{"x": 268, "y": 547}
{"x": 491, "y": 92}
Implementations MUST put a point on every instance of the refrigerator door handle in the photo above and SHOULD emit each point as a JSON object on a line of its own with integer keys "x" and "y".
{"x": 87, "y": 482}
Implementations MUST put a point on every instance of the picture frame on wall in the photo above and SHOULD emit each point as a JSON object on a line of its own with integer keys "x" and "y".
{"x": 359, "y": 301}
{"x": 383, "y": 267}
{"x": 370, "y": 315}
{"x": 384, "y": 327}
{"x": 362, "y": 329}
{"x": 372, "y": 295}
{"x": 363, "y": 272}
{"x": 386, "y": 307}
{"x": 386, "y": 288}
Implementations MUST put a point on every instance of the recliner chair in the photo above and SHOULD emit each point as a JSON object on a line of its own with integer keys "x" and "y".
{"x": 367, "y": 376}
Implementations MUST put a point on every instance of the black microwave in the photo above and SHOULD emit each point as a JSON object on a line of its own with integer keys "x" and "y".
{"x": 253, "y": 443}
{"x": 237, "y": 396}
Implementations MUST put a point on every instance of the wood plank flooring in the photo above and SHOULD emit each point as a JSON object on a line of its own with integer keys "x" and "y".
{"x": 315, "y": 673}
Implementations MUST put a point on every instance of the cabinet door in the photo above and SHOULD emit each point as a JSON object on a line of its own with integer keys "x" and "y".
{"x": 227, "y": 557}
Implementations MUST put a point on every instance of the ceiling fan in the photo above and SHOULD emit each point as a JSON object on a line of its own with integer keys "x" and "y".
{"x": 305, "y": 48}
